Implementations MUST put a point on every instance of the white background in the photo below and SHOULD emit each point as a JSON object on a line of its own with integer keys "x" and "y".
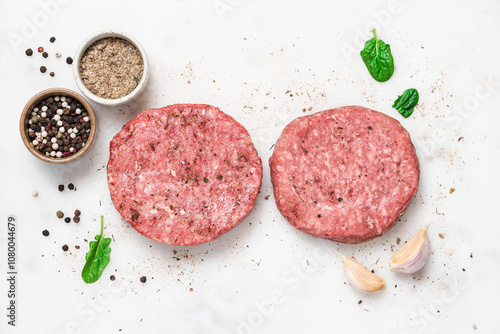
{"x": 247, "y": 57}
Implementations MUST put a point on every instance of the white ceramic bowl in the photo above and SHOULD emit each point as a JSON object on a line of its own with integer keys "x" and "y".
{"x": 83, "y": 47}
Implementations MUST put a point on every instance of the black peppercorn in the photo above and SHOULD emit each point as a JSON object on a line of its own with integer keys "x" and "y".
{"x": 29, "y": 52}
{"x": 77, "y": 212}
{"x": 52, "y": 74}
{"x": 67, "y": 220}
{"x": 45, "y": 54}
{"x": 76, "y": 219}
{"x": 69, "y": 60}
{"x": 61, "y": 187}
{"x": 45, "y": 233}
{"x": 52, "y": 39}
{"x": 112, "y": 277}
{"x": 43, "y": 69}
{"x": 65, "y": 248}
{"x": 143, "y": 279}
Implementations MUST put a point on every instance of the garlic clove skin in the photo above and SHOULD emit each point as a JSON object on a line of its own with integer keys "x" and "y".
{"x": 361, "y": 278}
{"x": 413, "y": 255}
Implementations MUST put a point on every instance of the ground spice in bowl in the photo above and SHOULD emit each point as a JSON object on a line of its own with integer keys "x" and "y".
{"x": 111, "y": 67}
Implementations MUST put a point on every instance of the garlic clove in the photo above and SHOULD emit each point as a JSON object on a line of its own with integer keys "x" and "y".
{"x": 361, "y": 278}
{"x": 413, "y": 255}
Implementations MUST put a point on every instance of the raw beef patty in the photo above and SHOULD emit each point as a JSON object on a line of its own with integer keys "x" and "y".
{"x": 183, "y": 174}
{"x": 346, "y": 174}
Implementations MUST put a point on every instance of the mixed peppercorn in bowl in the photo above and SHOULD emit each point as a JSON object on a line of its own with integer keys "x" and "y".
{"x": 58, "y": 125}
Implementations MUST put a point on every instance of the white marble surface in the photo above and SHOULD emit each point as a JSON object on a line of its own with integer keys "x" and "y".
{"x": 247, "y": 57}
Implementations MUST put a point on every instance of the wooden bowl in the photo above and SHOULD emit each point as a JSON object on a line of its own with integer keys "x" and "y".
{"x": 26, "y": 115}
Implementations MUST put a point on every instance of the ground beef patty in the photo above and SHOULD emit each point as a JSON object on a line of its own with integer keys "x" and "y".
{"x": 183, "y": 174}
{"x": 346, "y": 174}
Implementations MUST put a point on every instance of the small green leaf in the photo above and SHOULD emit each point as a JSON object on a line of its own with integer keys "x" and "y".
{"x": 97, "y": 258}
{"x": 378, "y": 58}
{"x": 405, "y": 104}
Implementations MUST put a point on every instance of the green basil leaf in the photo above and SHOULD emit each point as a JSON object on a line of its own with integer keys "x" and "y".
{"x": 405, "y": 104}
{"x": 97, "y": 258}
{"x": 378, "y": 59}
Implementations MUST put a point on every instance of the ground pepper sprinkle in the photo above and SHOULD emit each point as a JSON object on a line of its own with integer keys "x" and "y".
{"x": 111, "y": 68}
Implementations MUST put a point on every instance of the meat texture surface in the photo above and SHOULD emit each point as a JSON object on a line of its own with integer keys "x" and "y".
{"x": 346, "y": 174}
{"x": 184, "y": 174}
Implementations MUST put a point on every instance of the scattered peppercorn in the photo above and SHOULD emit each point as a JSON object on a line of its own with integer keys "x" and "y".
{"x": 60, "y": 214}
{"x": 319, "y": 216}
{"x": 29, "y": 52}
{"x": 71, "y": 186}
{"x": 77, "y": 247}
{"x": 143, "y": 279}
{"x": 40, "y": 49}
{"x": 76, "y": 219}
{"x": 77, "y": 212}
{"x": 43, "y": 69}
{"x": 65, "y": 248}
{"x": 112, "y": 277}
{"x": 52, "y": 39}
{"x": 58, "y": 54}
{"x": 45, "y": 54}
{"x": 340, "y": 199}
{"x": 205, "y": 180}
{"x": 61, "y": 187}
{"x": 35, "y": 194}
{"x": 219, "y": 177}
{"x": 360, "y": 301}
{"x": 67, "y": 220}
{"x": 45, "y": 233}
{"x": 69, "y": 60}
{"x": 52, "y": 74}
